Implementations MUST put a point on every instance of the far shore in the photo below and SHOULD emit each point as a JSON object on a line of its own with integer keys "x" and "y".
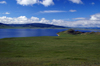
{"x": 53, "y": 28}
{"x": 34, "y": 28}
{"x": 58, "y": 34}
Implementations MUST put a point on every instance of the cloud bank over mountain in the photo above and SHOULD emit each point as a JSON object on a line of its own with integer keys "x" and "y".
{"x": 93, "y": 21}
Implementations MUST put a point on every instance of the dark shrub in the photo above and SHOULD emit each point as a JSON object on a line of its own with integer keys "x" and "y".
{"x": 71, "y": 31}
{"x": 78, "y": 32}
{"x": 83, "y": 32}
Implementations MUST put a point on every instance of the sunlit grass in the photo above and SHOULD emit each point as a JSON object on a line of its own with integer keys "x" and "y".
{"x": 63, "y": 50}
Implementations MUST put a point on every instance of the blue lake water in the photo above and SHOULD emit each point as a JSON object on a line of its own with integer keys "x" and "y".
{"x": 8, "y": 33}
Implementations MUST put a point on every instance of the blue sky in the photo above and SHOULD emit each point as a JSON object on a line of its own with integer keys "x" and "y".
{"x": 71, "y": 13}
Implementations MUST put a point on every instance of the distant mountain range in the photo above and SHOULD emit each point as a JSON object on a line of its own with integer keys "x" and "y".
{"x": 40, "y": 25}
{"x": 31, "y": 25}
{"x": 4, "y": 25}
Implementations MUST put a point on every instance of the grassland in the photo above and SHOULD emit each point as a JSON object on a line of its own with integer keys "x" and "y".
{"x": 63, "y": 50}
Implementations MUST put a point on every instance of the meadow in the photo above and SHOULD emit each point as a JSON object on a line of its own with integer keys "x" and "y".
{"x": 63, "y": 50}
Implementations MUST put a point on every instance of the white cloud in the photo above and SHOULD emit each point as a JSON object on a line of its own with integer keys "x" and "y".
{"x": 26, "y": 2}
{"x": 76, "y": 1}
{"x": 18, "y": 20}
{"x": 72, "y": 10}
{"x": 31, "y": 2}
{"x": 52, "y": 11}
{"x": 85, "y": 23}
{"x": 78, "y": 23}
{"x": 93, "y": 21}
{"x": 6, "y": 13}
{"x": 47, "y": 2}
{"x": 58, "y": 22}
{"x": 34, "y": 18}
{"x": 43, "y": 20}
{"x": 3, "y": 2}
{"x": 95, "y": 17}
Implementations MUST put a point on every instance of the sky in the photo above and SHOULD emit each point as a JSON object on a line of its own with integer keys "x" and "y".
{"x": 69, "y": 13}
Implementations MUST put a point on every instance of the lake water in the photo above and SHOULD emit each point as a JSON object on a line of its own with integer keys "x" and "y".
{"x": 8, "y": 33}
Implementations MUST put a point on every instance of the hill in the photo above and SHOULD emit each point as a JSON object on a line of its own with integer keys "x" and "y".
{"x": 31, "y": 25}
{"x": 4, "y": 25}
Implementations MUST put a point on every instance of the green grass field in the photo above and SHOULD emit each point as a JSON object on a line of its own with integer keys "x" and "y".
{"x": 63, "y": 50}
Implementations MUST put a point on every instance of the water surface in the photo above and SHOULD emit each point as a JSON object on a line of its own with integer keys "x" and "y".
{"x": 8, "y": 33}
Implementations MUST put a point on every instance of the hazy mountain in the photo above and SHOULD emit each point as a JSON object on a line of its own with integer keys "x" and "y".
{"x": 31, "y": 25}
{"x": 4, "y": 25}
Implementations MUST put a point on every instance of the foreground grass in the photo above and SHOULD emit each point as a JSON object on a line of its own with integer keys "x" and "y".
{"x": 64, "y": 50}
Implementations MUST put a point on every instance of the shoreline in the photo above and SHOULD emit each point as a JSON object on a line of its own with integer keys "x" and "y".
{"x": 58, "y": 34}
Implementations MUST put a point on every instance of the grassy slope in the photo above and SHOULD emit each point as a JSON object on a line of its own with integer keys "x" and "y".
{"x": 65, "y": 50}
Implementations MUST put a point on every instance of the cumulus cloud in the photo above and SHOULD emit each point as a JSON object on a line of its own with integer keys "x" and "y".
{"x": 52, "y": 11}
{"x": 18, "y": 20}
{"x": 22, "y": 20}
{"x": 47, "y": 2}
{"x": 31, "y": 2}
{"x": 3, "y": 2}
{"x": 34, "y": 18}
{"x": 58, "y": 22}
{"x": 93, "y": 21}
{"x": 76, "y": 1}
{"x": 85, "y": 23}
{"x": 72, "y": 10}
{"x": 26, "y": 2}
{"x": 43, "y": 20}
{"x": 95, "y": 17}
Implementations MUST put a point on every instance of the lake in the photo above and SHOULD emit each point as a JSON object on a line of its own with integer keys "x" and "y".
{"x": 8, "y": 33}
